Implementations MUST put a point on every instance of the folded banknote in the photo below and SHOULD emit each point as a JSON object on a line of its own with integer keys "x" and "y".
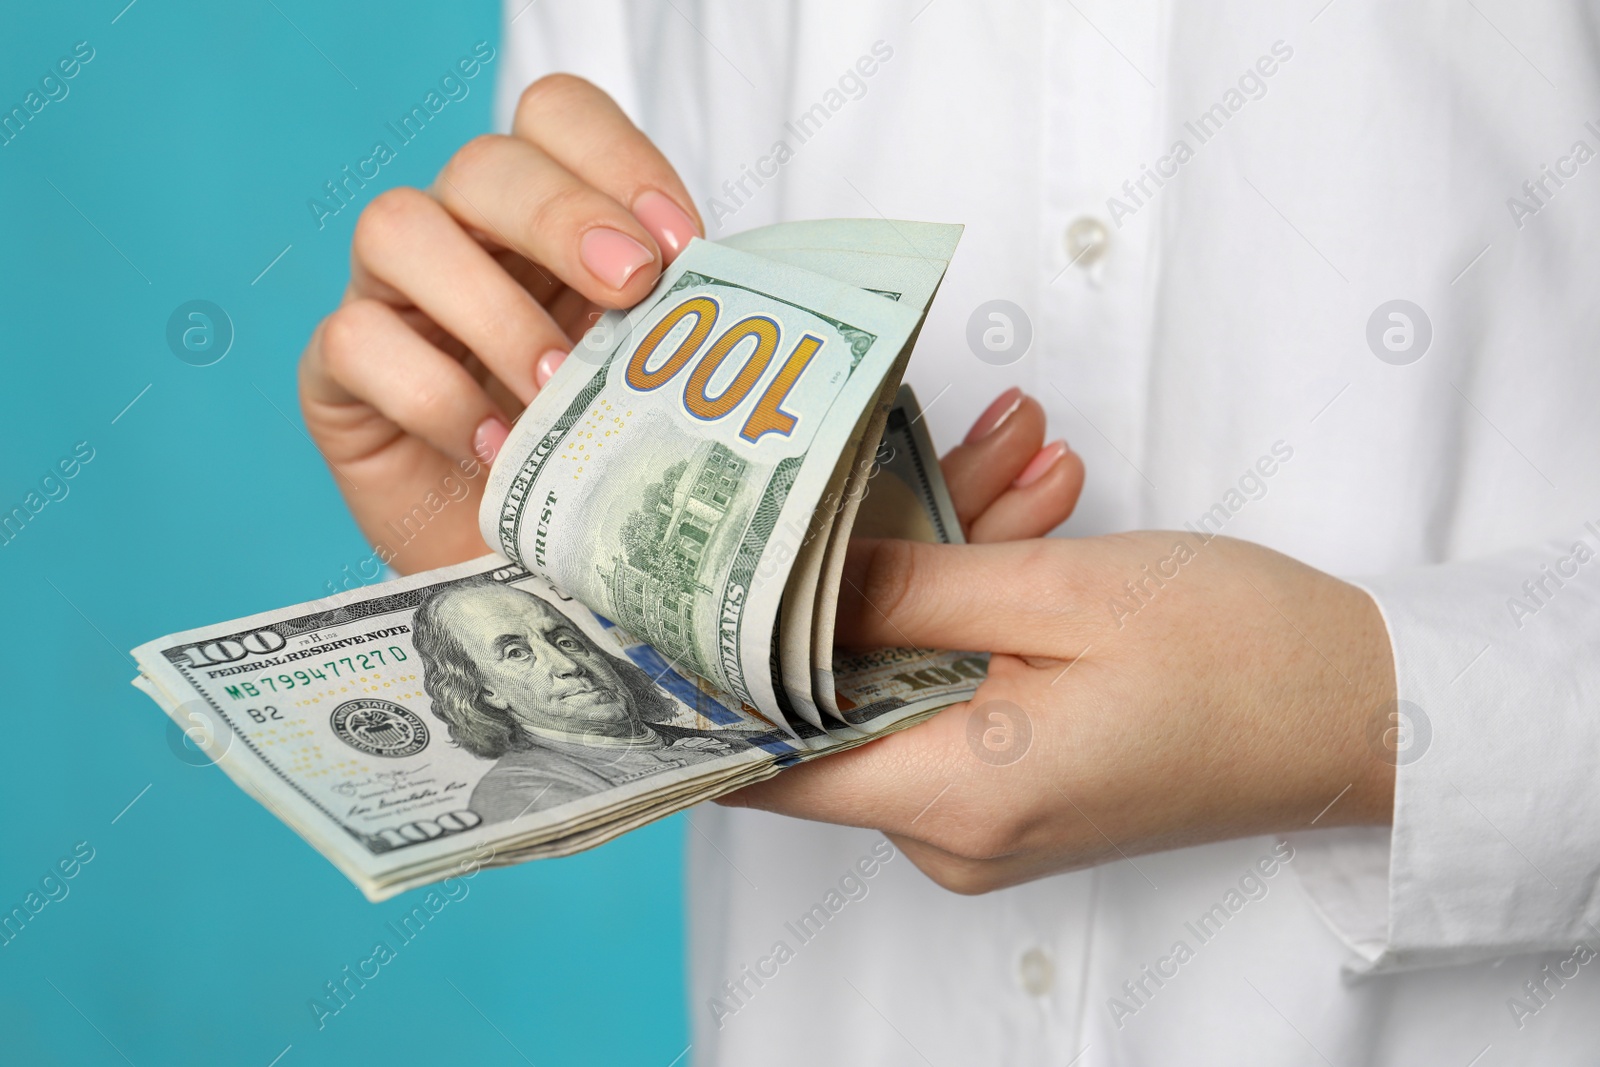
{"x": 654, "y": 626}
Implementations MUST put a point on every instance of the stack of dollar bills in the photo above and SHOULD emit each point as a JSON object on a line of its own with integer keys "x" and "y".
{"x": 654, "y": 628}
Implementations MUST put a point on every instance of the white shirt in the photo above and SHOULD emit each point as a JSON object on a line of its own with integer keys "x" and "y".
{"x": 1336, "y": 157}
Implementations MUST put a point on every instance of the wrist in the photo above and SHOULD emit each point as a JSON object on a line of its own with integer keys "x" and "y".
{"x": 1360, "y": 747}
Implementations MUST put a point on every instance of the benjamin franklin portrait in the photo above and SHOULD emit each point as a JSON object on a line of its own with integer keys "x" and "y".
{"x": 519, "y": 682}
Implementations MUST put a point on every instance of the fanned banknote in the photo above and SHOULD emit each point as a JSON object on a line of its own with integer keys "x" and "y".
{"x": 654, "y": 628}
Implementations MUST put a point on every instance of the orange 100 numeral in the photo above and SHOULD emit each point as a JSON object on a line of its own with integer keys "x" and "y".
{"x": 768, "y": 416}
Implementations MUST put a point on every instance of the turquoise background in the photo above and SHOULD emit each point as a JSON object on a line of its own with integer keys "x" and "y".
{"x": 177, "y": 168}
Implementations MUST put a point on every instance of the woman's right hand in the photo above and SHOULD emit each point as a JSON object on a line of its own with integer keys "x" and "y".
{"x": 465, "y": 298}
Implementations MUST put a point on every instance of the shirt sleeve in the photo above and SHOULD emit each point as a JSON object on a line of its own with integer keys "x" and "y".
{"x": 1495, "y": 847}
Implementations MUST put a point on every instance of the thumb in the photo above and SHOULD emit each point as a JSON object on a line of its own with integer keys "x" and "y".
{"x": 1016, "y": 597}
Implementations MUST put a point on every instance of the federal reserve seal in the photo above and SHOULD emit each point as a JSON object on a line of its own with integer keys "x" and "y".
{"x": 379, "y": 728}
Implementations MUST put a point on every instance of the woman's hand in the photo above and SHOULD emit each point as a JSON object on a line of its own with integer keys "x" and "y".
{"x": 1148, "y": 691}
{"x": 464, "y": 299}
{"x": 1006, "y": 483}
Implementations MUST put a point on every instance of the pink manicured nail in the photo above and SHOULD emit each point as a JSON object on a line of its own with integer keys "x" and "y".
{"x": 1004, "y": 406}
{"x": 613, "y": 257}
{"x": 489, "y": 437}
{"x": 547, "y": 366}
{"x": 666, "y": 222}
{"x": 1040, "y": 464}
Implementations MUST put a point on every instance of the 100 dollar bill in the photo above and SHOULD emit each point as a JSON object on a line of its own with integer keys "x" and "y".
{"x": 648, "y": 480}
{"x": 620, "y": 660}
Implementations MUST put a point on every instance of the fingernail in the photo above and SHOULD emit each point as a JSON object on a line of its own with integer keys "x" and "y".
{"x": 547, "y": 366}
{"x": 613, "y": 257}
{"x": 666, "y": 221}
{"x": 1004, "y": 406}
{"x": 489, "y": 437}
{"x": 1040, "y": 464}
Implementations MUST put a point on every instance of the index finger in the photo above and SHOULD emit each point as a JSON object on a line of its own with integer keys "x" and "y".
{"x": 887, "y": 785}
{"x": 585, "y": 131}
{"x": 514, "y": 192}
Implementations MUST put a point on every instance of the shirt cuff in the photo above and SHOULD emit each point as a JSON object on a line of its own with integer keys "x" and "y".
{"x": 1345, "y": 873}
{"x": 1495, "y": 847}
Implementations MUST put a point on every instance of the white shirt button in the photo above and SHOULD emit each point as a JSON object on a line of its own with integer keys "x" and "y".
{"x": 1036, "y": 973}
{"x": 1087, "y": 240}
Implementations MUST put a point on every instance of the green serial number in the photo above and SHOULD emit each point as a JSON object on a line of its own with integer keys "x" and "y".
{"x": 338, "y": 668}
